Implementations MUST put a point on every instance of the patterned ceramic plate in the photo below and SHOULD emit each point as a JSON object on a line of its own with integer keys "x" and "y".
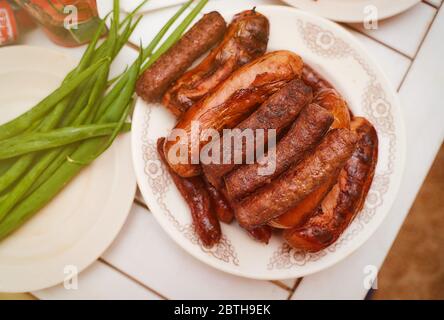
{"x": 354, "y": 10}
{"x": 340, "y": 58}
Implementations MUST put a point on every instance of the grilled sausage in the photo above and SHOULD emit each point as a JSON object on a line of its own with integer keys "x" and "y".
{"x": 220, "y": 204}
{"x": 298, "y": 181}
{"x": 261, "y": 233}
{"x": 196, "y": 195}
{"x": 230, "y": 103}
{"x": 304, "y": 135}
{"x": 331, "y": 100}
{"x": 278, "y": 112}
{"x": 327, "y": 97}
{"x": 299, "y": 214}
{"x": 345, "y": 199}
{"x": 208, "y": 31}
{"x": 245, "y": 40}
{"x": 314, "y": 79}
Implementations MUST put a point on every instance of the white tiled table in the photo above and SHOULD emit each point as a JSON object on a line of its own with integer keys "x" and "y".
{"x": 144, "y": 263}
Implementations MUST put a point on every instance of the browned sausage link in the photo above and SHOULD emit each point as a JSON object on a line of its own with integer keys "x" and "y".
{"x": 220, "y": 204}
{"x": 304, "y": 135}
{"x": 331, "y": 100}
{"x": 195, "y": 194}
{"x": 261, "y": 233}
{"x": 245, "y": 40}
{"x": 278, "y": 112}
{"x": 346, "y": 198}
{"x": 208, "y": 31}
{"x": 231, "y": 102}
{"x": 299, "y": 214}
{"x": 298, "y": 181}
{"x": 314, "y": 79}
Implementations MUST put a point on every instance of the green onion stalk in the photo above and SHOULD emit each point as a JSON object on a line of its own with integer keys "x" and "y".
{"x": 39, "y": 141}
{"x": 90, "y": 90}
{"x": 96, "y": 115}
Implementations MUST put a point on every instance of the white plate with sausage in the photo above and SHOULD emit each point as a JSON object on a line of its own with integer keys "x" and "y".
{"x": 342, "y": 62}
{"x": 354, "y": 10}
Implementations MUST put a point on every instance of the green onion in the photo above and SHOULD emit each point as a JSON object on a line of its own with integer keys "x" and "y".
{"x": 116, "y": 78}
{"x": 146, "y": 53}
{"x": 54, "y": 168}
{"x": 15, "y": 171}
{"x": 132, "y": 13}
{"x": 22, "y": 122}
{"x": 149, "y": 49}
{"x": 22, "y": 164}
{"x": 33, "y": 142}
{"x": 5, "y": 165}
{"x": 116, "y": 11}
{"x": 175, "y": 36}
{"x": 80, "y": 158}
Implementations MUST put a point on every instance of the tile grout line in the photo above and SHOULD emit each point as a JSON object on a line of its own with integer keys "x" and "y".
{"x": 141, "y": 204}
{"x": 430, "y": 4}
{"x": 137, "y": 281}
{"x": 377, "y": 41}
{"x": 274, "y": 282}
{"x": 280, "y": 285}
{"x": 296, "y": 285}
{"x": 132, "y": 46}
{"x": 33, "y": 295}
{"x": 137, "y": 204}
{"x": 419, "y": 48}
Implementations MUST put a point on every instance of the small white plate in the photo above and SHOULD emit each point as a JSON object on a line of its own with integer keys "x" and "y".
{"x": 353, "y": 10}
{"x": 81, "y": 222}
{"x": 151, "y": 5}
{"x": 337, "y": 55}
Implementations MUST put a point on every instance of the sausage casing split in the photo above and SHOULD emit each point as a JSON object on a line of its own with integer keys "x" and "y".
{"x": 220, "y": 204}
{"x": 208, "y": 31}
{"x": 245, "y": 40}
{"x": 198, "y": 199}
{"x": 331, "y": 100}
{"x": 345, "y": 199}
{"x": 327, "y": 97}
{"x": 298, "y": 181}
{"x": 304, "y": 135}
{"x": 231, "y": 102}
{"x": 278, "y": 112}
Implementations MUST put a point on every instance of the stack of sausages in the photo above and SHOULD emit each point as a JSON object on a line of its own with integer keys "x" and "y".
{"x": 324, "y": 159}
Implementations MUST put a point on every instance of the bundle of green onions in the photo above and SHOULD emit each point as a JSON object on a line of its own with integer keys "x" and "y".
{"x": 44, "y": 148}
